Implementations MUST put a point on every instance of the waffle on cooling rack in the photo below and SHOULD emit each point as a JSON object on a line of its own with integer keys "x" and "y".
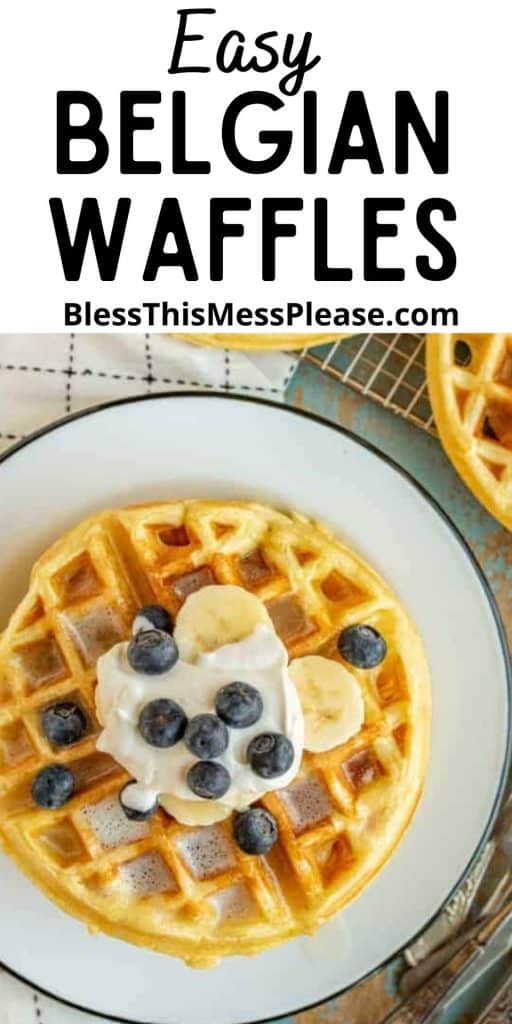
{"x": 261, "y": 341}
{"x": 470, "y": 387}
{"x": 190, "y": 891}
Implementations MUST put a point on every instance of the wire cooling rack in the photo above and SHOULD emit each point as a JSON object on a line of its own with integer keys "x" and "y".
{"x": 390, "y": 368}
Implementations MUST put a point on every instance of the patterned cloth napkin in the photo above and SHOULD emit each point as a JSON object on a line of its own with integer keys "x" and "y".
{"x": 44, "y": 377}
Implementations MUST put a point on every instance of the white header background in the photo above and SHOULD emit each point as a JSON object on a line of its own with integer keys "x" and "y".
{"x": 106, "y": 46}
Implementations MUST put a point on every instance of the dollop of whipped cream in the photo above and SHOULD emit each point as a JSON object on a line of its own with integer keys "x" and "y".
{"x": 260, "y": 659}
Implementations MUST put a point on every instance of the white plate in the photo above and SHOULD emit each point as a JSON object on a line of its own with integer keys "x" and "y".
{"x": 195, "y": 445}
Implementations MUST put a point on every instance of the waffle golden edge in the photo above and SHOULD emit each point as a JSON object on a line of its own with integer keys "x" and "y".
{"x": 260, "y": 341}
{"x": 470, "y": 388}
{"x": 339, "y": 820}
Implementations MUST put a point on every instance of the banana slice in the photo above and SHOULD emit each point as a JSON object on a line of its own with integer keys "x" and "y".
{"x": 331, "y": 701}
{"x": 194, "y": 812}
{"x": 215, "y": 616}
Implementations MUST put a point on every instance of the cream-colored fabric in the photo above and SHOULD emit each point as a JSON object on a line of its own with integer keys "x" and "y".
{"x": 21, "y": 1004}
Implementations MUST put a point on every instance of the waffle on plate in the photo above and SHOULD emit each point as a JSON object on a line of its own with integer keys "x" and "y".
{"x": 185, "y": 890}
{"x": 470, "y": 388}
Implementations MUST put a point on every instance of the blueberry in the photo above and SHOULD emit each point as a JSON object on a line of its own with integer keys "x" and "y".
{"x": 362, "y": 646}
{"x": 239, "y": 705}
{"x": 53, "y": 786}
{"x": 152, "y": 651}
{"x": 270, "y": 754}
{"x": 162, "y": 722}
{"x": 206, "y": 736}
{"x": 152, "y": 616}
{"x": 64, "y": 723}
{"x": 131, "y": 813}
{"x": 208, "y": 779}
{"x": 255, "y": 830}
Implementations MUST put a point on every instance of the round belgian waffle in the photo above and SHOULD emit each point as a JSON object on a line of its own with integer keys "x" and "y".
{"x": 470, "y": 387}
{"x": 190, "y": 891}
{"x": 261, "y": 341}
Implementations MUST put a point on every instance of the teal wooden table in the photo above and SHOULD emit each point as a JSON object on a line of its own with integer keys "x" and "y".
{"x": 422, "y": 455}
